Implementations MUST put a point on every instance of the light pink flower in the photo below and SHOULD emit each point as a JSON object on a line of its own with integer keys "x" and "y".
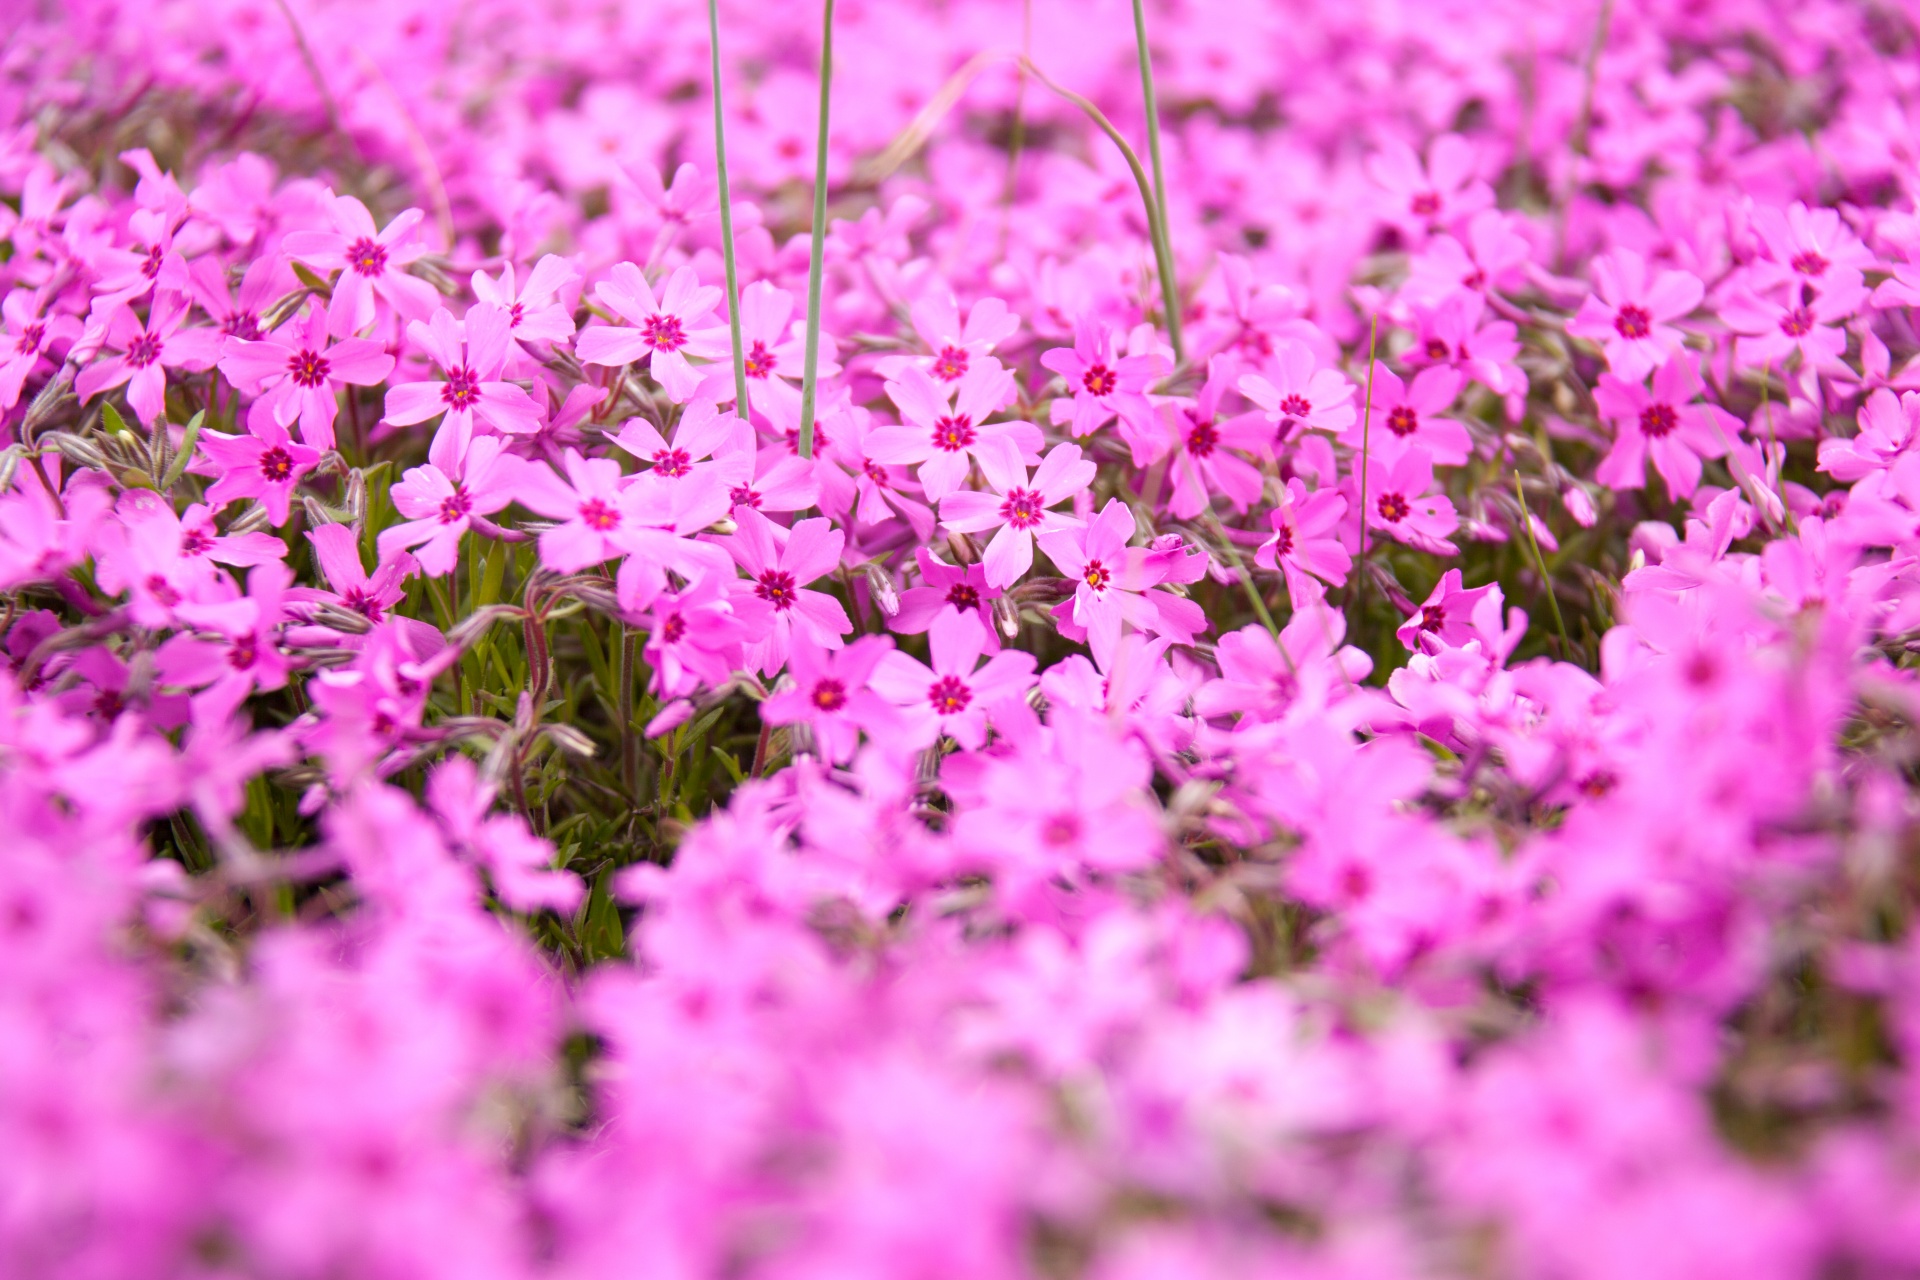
{"x": 1017, "y": 508}
{"x": 370, "y": 264}
{"x": 951, "y": 698}
{"x": 1631, "y": 312}
{"x": 297, "y": 373}
{"x": 662, "y": 332}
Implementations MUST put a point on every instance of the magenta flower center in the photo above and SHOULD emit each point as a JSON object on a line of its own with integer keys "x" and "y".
{"x": 515, "y": 314}
{"x": 760, "y": 361}
{"x": 873, "y": 471}
{"x": 829, "y": 695}
{"x": 357, "y": 599}
{"x": 308, "y": 368}
{"x": 1424, "y": 205}
{"x": 1809, "y": 263}
{"x": 367, "y": 257}
{"x": 1060, "y": 829}
{"x": 949, "y": 695}
{"x": 950, "y": 365}
{"x": 150, "y": 265}
{"x": 1797, "y": 323}
{"x": 1402, "y": 420}
{"x": 672, "y": 629}
{"x": 143, "y": 350}
{"x": 672, "y": 463}
{"x": 744, "y": 495}
{"x": 162, "y": 590}
{"x": 1394, "y": 507}
{"x": 1202, "y": 439}
{"x": 663, "y": 332}
{"x": 30, "y": 338}
{"x": 1438, "y": 350}
{"x": 454, "y": 507}
{"x": 599, "y": 516}
{"x": 777, "y": 588}
{"x": 1633, "y": 322}
{"x": 243, "y": 653}
{"x": 1296, "y": 406}
{"x": 276, "y": 464}
{"x": 1283, "y": 540}
{"x": 461, "y": 388}
{"x": 244, "y": 325}
{"x": 1098, "y": 575}
{"x": 1023, "y": 508}
{"x": 195, "y": 542}
{"x": 1099, "y": 380}
{"x": 1658, "y": 420}
{"x": 1432, "y": 617}
{"x": 951, "y": 435}
{"x": 962, "y": 596}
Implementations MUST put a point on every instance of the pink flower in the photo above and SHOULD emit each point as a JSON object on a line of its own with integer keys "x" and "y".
{"x": 472, "y": 353}
{"x": 779, "y": 564}
{"x": 775, "y": 357}
{"x": 1409, "y": 415}
{"x": 1631, "y": 310}
{"x": 662, "y": 332}
{"x": 248, "y": 656}
{"x": 535, "y": 310}
{"x": 1808, "y": 246}
{"x": 697, "y": 636}
{"x": 265, "y": 464}
{"x": 1398, "y": 502}
{"x": 1446, "y": 620}
{"x": 1665, "y": 425}
{"x": 955, "y": 348}
{"x": 945, "y": 438}
{"x": 832, "y": 694}
{"x": 1491, "y": 258}
{"x": 1112, "y": 581}
{"x": 27, "y": 335}
{"x": 595, "y": 511}
{"x": 147, "y": 349}
{"x": 951, "y": 698}
{"x": 1201, "y": 464}
{"x": 1440, "y": 193}
{"x": 297, "y": 374}
{"x": 1016, "y": 509}
{"x": 1772, "y": 331}
{"x": 369, "y": 264}
{"x": 943, "y": 587}
{"x": 1300, "y": 396}
{"x": 1104, "y": 384}
{"x": 1301, "y": 548}
{"x": 446, "y": 497}
{"x": 702, "y": 431}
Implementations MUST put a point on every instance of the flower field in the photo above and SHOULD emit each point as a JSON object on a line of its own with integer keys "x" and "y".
{"x": 1056, "y": 639}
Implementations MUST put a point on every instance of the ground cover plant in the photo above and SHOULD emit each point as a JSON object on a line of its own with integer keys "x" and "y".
{"x": 1031, "y": 638}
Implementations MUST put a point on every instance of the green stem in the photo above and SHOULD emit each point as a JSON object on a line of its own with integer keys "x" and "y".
{"x": 1366, "y": 440}
{"x": 726, "y": 218}
{"x": 1553, "y": 601}
{"x": 1163, "y": 245}
{"x": 809, "y": 386}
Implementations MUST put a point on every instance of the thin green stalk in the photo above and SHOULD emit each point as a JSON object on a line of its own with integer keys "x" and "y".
{"x": 809, "y": 386}
{"x": 726, "y": 218}
{"x": 1163, "y": 248}
{"x": 1553, "y": 601}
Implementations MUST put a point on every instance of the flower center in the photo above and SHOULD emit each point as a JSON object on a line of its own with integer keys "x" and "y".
{"x": 357, "y": 599}
{"x": 455, "y": 507}
{"x": 672, "y": 463}
{"x": 1432, "y": 617}
{"x": 160, "y": 589}
{"x": 760, "y": 361}
{"x": 742, "y": 495}
{"x": 1438, "y": 350}
{"x": 30, "y": 339}
{"x": 243, "y": 653}
{"x": 1283, "y": 540}
{"x": 874, "y": 471}
{"x": 598, "y": 516}
{"x": 461, "y": 388}
{"x": 1598, "y": 783}
{"x": 1797, "y": 323}
{"x": 962, "y": 596}
{"x": 953, "y": 434}
{"x": 1809, "y": 263}
{"x": 949, "y": 695}
{"x": 195, "y": 542}
{"x": 663, "y": 332}
{"x": 367, "y": 257}
{"x": 143, "y": 350}
{"x": 673, "y": 629}
{"x": 829, "y": 695}
{"x": 150, "y": 267}
{"x": 776, "y": 587}
{"x": 1100, "y": 380}
{"x": 1424, "y": 205}
{"x": 1633, "y": 322}
{"x": 1475, "y": 279}
{"x": 243, "y": 325}
{"x": 820, "y": 441}
{"x": 1403, "y": 421}
{"x": 276, "y": 464}
{"x": 1296, "y": 406}
{"x": 1023, "y": 509}
{"x": 950, "y": 365}
{"x": 1394, "y": 508}
{"x": 1202, "y": 439}
{"x": 515, "y": 314}
{"x": 1098, "y": 575}
{"x": 308, "y": 369}
{"x": 1658, "y": 420}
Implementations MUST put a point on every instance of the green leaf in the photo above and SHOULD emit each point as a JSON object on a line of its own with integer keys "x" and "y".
{"x": 601, "y": 937}
{"x": 116, "y": 425}
{"x": 312, "y": 281}
{"x": 731, "y": 765}
{"x": 179, "y": 466}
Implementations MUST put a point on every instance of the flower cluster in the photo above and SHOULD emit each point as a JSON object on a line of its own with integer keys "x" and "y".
{"x": 1354, "y": 718}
